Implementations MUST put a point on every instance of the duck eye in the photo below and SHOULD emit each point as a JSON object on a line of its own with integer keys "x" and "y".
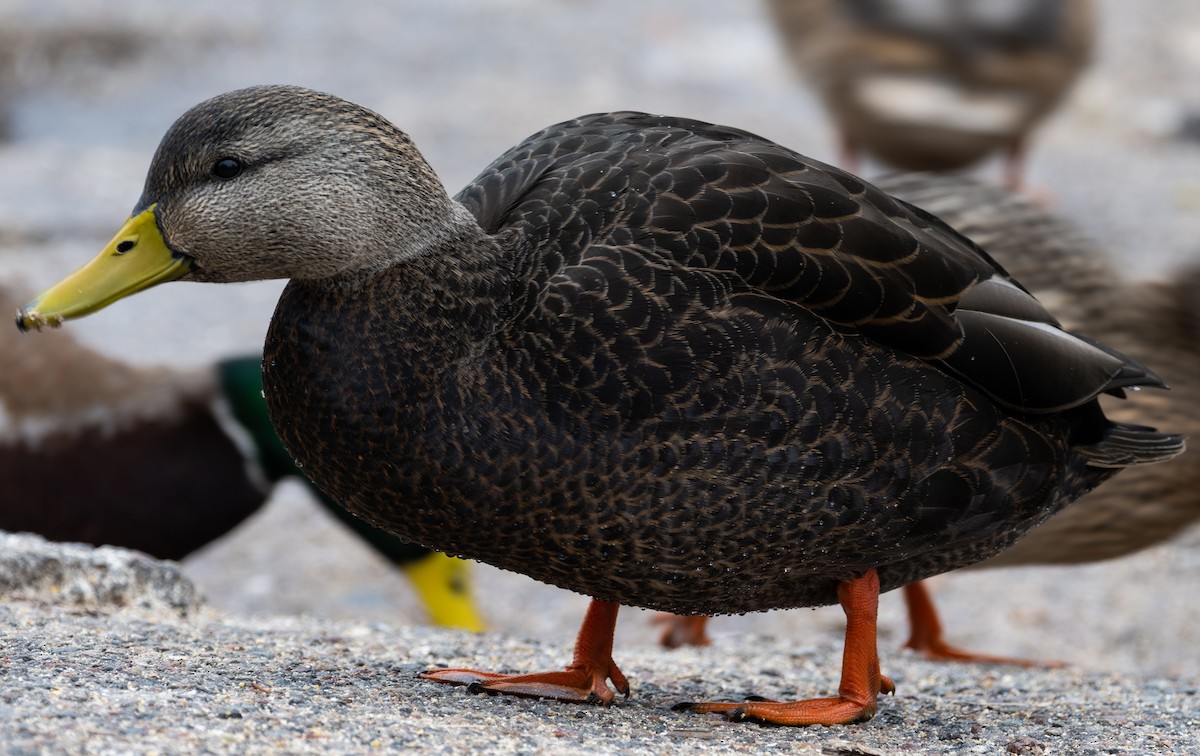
{"x": 226, "y": 168}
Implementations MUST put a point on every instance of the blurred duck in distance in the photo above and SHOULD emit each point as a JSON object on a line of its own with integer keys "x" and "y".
{"x": 160, "y": 460}
{"x": 937, "y": 85}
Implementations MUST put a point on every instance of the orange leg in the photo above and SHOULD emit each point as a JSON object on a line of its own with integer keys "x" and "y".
{"x": 849, "y": 159}
{"x": 926, "y": 633}
{"x": 1014, "y": 166}
{"x": 583, "y": 681}
{"x": 683, "y": 630}
{"x": 1014, "y": 177}
{"x": 861, "y": 681}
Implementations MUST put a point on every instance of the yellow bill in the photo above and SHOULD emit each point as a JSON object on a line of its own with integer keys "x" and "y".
{"x": 136, "y": 259}
{"x": 444, "y": 586}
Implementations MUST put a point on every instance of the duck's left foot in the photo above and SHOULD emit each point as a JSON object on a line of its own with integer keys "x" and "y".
{"x": 861, "y": 684}
{"x": 585, "y": 680}
{"x": 682, "y": 630}
{"x": 926, "y": 636}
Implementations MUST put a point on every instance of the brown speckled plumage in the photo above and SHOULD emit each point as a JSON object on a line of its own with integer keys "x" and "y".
{"x": 1157, "y": 321}
{"x": 925, "y": 86}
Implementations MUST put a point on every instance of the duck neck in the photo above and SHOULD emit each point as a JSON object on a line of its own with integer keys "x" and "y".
{"x": 459, "y": 292}
{"x": 438, "y": 306}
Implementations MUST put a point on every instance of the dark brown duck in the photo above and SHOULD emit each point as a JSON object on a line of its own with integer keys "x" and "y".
{"x": 653, "y": 360}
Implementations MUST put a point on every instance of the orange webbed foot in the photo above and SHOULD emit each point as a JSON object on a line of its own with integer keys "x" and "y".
{"x": 575, "y": 684}
{"x": 814, "y": 711}
{"x": 682, "y": 630}
{"x": 861, "y": 684}
{"x": 944, "y": 652}
{"x": 585, "y": 680}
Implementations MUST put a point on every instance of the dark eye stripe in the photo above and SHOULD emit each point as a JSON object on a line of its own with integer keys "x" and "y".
{"x": 226, "y": 168}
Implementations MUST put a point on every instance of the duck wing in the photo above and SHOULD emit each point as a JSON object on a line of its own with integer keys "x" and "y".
{"x": 754, "y": 215}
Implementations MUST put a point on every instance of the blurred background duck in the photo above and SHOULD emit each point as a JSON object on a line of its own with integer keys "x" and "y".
{"x": 1157, "y": 321}
{"x": 161, "y": 460}
{"x": 937, "y": 85}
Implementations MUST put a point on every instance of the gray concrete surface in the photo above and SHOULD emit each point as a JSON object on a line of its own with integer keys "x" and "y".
{"x": 84, "y": 675}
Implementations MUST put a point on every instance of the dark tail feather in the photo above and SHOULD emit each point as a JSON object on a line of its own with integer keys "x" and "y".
{"x": 1125, "y": 445}
{"x": 1132, "y": 373}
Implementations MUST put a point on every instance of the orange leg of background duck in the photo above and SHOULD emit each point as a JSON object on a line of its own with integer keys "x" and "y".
{"x": 926, "y": 633}
{"x": 682, "y": 629}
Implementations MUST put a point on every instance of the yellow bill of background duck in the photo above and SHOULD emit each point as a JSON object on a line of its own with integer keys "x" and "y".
{"x": 136, "y": 259}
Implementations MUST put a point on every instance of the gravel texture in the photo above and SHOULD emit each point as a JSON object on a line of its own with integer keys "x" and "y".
{"x": 323, "y": 627}
{"x": 80, "y": 675}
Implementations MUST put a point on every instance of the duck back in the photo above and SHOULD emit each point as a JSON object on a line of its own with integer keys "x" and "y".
{"x": 682, "y": 367}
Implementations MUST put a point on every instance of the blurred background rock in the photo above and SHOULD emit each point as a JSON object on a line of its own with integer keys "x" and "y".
{"x": 89, "y": 87}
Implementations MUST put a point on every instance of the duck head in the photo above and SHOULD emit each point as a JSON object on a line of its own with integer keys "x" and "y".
{"x": 260, "y": 183}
